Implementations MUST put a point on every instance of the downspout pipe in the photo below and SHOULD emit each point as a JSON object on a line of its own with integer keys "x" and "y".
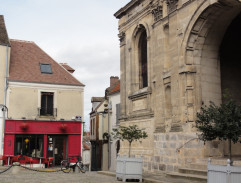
{"x": 5, "y": 96}
{"x": 82, "y": 133}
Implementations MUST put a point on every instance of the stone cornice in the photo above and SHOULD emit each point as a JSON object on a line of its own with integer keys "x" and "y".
{"x": 121, "y": 12}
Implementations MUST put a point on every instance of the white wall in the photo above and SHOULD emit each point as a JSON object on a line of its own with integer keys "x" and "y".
{"x": 114, "y": 99}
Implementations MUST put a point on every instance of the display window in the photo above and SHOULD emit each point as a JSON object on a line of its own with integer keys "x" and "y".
{"x": 29, "y": 145}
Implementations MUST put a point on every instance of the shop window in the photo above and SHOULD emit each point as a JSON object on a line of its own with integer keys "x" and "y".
{"x": 143, "y": 69}
{"x": 29, "y": 145}
{"x": 47, "y": 104}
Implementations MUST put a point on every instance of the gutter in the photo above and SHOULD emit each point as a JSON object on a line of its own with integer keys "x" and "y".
{"x": 5, "y": 97}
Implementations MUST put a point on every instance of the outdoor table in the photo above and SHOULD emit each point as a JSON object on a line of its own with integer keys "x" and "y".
{"x": 40, "y": 161}
{"x": 9, "y": 156}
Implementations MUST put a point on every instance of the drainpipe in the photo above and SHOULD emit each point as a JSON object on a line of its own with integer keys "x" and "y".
{"x": 5, "y": 97}
{"x": 81, "y": 147}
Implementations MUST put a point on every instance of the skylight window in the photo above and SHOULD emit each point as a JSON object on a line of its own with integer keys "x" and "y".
{"x": 45, "y": 68}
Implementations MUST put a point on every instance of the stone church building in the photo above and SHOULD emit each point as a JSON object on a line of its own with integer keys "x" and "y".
{"x": 175, "y": 56}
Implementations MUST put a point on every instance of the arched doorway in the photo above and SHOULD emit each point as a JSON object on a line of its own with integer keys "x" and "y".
{"x": 230, "y": 60}
{"x": 213, "y": 49}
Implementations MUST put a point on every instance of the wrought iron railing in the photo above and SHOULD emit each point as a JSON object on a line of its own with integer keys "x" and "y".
{"x": 44, "y": 112}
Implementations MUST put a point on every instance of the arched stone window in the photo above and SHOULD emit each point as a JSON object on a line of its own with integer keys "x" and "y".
{"x": 143, "y": 66}
{"x": 168, "y": 99}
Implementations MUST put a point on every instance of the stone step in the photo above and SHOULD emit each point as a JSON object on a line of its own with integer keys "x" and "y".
{"x": 199, "y": 166}
{"x": 184, "y": 176}
{"x": 192, "y": 171}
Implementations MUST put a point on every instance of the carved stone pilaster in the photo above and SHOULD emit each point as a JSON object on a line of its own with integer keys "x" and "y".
{"x": 171, "y": 5}
{"x": 122, "y": 36}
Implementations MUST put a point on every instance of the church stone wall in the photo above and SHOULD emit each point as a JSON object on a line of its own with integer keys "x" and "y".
{"x": 183, "y": 74}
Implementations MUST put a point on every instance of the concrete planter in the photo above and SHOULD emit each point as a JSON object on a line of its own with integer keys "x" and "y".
{"x": 223, "y": 173}
{"x": 128, "y": 168}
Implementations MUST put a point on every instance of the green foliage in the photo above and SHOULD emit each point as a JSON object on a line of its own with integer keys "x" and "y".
{"x": 130, "y": 133}
{"x": 220, "y": 122}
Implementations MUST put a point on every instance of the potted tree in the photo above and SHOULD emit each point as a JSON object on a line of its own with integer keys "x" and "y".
{"x": 224, "y": 123}
{"x": 129, "y": 167}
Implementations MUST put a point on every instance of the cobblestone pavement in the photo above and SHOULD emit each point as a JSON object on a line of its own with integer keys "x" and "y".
{"x": 26, "y": 176}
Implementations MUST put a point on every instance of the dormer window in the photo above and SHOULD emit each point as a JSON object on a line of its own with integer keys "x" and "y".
{"x": 45, "y": 68}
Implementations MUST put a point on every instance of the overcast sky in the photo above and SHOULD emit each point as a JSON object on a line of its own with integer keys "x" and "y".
{"x": 82, "y": 33}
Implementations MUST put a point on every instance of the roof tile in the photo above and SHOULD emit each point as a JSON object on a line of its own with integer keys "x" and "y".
{"x": 25, "y": 62}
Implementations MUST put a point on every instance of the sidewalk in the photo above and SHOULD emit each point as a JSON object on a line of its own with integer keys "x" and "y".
{"x": 154, "y": 178}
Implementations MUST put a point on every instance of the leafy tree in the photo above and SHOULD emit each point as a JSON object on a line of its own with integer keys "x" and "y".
{"x": 220, "y": 122}
{"x": 130, "y": 133}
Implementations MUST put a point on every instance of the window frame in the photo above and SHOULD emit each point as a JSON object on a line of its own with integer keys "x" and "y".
{"x": 45, "y": 71}
{"x": 143, "y": 59}
{"x": 47, "y": 110}
{"x": 35, "y": 137}
{"x": 54, "y": 102}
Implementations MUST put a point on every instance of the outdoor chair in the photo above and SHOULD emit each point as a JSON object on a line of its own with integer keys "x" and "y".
{"x": 4, "y": 159}
{"x": 49, "y": 161}
{"x": 29, "y": 160}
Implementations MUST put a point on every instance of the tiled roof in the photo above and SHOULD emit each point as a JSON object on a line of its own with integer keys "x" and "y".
{"x": 3, "y": 32}
{"x": 67, "y": 67}
{"x": 115, "y": 88}
{"x": 25, "y": 62}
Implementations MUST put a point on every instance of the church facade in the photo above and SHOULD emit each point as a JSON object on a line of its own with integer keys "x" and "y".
{"x": 175, "y": 56}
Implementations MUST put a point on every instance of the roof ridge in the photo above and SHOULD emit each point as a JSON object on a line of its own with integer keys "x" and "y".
{"x": 22, "y": 41}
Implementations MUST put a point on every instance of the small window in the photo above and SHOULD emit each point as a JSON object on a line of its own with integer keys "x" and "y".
{"x": 46, "y": 68}
{"x": 143, "y": 66}
{"x": 47, "y": 104}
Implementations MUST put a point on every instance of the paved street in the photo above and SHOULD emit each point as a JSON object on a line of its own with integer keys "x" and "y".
{"x": 26, "y": 176}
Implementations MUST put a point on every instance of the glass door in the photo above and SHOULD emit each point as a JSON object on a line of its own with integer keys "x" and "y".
{"x": 57, "y": 148}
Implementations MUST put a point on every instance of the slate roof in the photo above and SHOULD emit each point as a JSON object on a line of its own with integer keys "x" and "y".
{"x": 25, "y": 62}
{"x": 3, "y": 32}
{"x": 97, "y": 99}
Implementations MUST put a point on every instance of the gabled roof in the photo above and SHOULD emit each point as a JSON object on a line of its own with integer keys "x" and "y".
{"x": 25, "y": 60}
{"x": 115, "y": 88}
{"x": 3, "y": 32}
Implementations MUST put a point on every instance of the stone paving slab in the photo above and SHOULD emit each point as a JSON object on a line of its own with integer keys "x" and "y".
{"x": 155, "y": 178}
{"x": 26, "y": 176}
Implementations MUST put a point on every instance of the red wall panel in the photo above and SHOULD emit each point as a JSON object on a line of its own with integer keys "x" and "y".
{"x": 74, "y": 145}
{"x": 42, "y": 127}
{"x": 9, "y": 144}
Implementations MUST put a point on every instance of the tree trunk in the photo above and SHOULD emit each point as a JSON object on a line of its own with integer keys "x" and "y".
{"x": 129, "y": 149}
{"x": 230, "y": 151}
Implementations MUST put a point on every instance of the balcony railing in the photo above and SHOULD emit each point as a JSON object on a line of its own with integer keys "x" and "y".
{"x": 45, "y": 112}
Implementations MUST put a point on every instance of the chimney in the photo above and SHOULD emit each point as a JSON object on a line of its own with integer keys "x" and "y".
{"x": 113, "y": 80}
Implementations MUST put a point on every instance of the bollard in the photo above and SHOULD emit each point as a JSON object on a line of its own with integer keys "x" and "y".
{"x": 16, "y": 168}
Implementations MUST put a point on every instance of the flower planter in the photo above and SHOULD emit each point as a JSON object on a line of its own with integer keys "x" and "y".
{"x": 63, "y": 127}
{"x": 24, "y": 126}
{"x": 128, "y": 168}
{"x": 223, "y": 173}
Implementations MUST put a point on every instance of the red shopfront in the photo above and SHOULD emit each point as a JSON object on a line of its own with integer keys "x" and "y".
{"x": 43, "y": 139}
